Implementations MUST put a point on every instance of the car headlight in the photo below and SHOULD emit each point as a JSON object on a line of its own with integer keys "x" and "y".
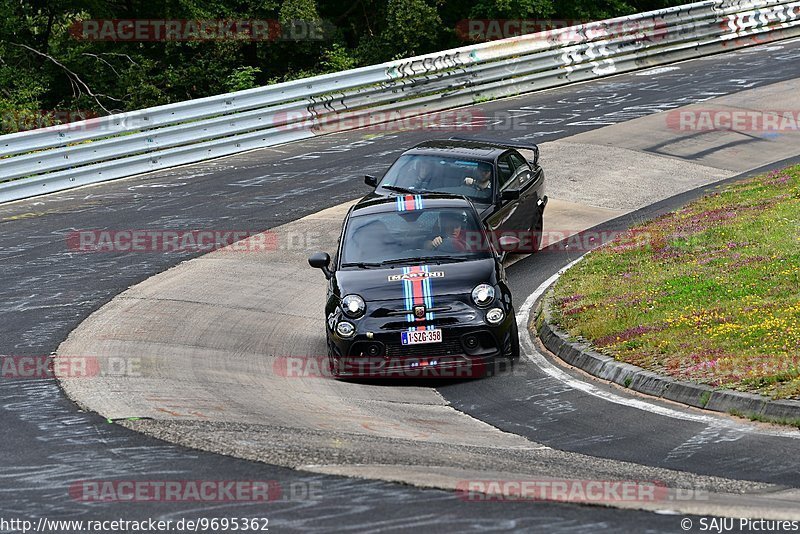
{"x": 483, "y": 295}
{"x": 353, "y": 306}
{"x": 495, "y": 316}
{"x": 345, "y": 329}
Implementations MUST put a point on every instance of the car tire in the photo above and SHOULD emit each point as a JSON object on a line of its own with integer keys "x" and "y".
{"x": 511, "y": 349}
{"x": 515, "y": 344}
{"x": 536, "y": 230}
{"x": 332, "y": 367}
{"x": 510, "y": 357}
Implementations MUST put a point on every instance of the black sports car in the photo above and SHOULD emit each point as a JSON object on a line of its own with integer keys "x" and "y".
{"x": 506, "y": 188}
{"x": 417, "y": 289}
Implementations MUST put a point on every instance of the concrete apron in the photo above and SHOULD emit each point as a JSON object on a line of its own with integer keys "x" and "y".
{"x": 209, "y": 339}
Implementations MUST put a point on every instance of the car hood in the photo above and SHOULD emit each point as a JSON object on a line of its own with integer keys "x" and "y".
{"x": 483, "y": 207}
{"x": 435, "y": 280}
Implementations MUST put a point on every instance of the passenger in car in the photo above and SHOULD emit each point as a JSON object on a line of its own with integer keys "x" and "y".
{"x": 426, "y": 171}
{"x": 483, "y": 178}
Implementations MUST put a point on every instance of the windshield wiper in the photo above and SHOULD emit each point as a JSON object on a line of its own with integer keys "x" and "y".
{"x": 398, "y": 189}
{"x": 425, "y": 259}
{"x": 440, "y": 259}
{"x": 362, "y": 264}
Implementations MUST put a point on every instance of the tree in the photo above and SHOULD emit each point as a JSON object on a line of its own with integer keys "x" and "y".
{"x": 49, "y": 69}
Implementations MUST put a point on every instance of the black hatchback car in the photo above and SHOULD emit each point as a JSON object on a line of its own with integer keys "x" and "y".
{"x": 417, "y": 289}
{"x": 504, "y": 181}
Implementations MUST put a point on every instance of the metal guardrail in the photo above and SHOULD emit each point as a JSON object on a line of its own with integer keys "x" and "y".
{"x": 70, "y": 155}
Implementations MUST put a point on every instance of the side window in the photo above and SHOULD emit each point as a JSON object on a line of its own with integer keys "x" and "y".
{"x": 505, "y": 170}
{"x": 517, "y": 160}
{"x": 523, "y": 168}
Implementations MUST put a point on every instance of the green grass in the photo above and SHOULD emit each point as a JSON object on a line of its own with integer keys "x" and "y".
{"x": 709, "y": 293}
{"x": 764, "y": 419}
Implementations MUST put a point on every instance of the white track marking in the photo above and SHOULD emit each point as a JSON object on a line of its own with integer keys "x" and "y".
{"x": 538, "y": 359}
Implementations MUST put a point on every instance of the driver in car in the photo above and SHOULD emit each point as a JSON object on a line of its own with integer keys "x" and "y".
{"x": 483, "y": 180}
{"x": 453, "y": 236}
{"x": 373, "y": 236}
{"x": 425, "y": 173}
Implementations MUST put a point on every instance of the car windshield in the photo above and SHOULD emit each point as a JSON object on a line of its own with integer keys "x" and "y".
{"x": 413, "y": 236}
{"x": 418, "y": 173}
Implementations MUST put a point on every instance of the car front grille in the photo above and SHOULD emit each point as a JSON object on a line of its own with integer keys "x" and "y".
{"x": 445, "y": 348}
{"x": 402, "y": 325}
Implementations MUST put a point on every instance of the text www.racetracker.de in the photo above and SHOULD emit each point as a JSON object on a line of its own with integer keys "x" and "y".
{"x": 202, "y": 524}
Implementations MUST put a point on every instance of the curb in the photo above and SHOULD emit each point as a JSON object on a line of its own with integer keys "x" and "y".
{"x": 583, "y": 356}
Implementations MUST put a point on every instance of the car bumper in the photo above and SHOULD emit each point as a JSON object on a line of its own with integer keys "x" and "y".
{"x": 466, "y": 351}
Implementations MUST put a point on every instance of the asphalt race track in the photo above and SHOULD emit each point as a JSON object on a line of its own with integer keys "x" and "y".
{"x": 49, "y": 290}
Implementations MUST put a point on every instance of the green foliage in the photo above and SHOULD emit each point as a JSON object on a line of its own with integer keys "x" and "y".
{"x": 242, "y": 78}
{"x": 786, "y": 421}
{"x": 292, "y": 10}
{"x": 512, "y": 9}
{"x": 410, "y": 27}
{"x": 337, "y": 58}
{"x": 44, "y": 65}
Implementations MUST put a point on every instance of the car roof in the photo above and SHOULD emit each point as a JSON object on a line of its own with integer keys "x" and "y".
{"x": 374, "y": 203}
{"x": 477, "y": 150}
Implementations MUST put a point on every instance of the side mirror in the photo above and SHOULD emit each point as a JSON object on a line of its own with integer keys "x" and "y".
{"x": 509, "y": 194}
{"x": 321, "y": 260}
{"x": 506, "y": 244}
{"x": 370, "y": 180}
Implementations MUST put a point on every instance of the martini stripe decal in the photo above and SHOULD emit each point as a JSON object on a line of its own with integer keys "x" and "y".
{"x": 409, "y": 203}
{"x": 417, "y": 291}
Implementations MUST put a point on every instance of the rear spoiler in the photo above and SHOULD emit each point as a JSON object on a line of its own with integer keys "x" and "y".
{"x": 502, "y": 144}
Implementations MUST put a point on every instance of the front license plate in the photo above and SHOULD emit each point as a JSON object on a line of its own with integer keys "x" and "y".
{"x": 421, "y": 336}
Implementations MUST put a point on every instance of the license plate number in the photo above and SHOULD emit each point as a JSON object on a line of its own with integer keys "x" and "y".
{"x": 421, "y": 336}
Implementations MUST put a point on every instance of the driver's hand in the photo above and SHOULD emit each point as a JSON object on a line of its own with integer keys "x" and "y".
{"x": 469, "y": 180}
{"x": 436, "y": 241}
